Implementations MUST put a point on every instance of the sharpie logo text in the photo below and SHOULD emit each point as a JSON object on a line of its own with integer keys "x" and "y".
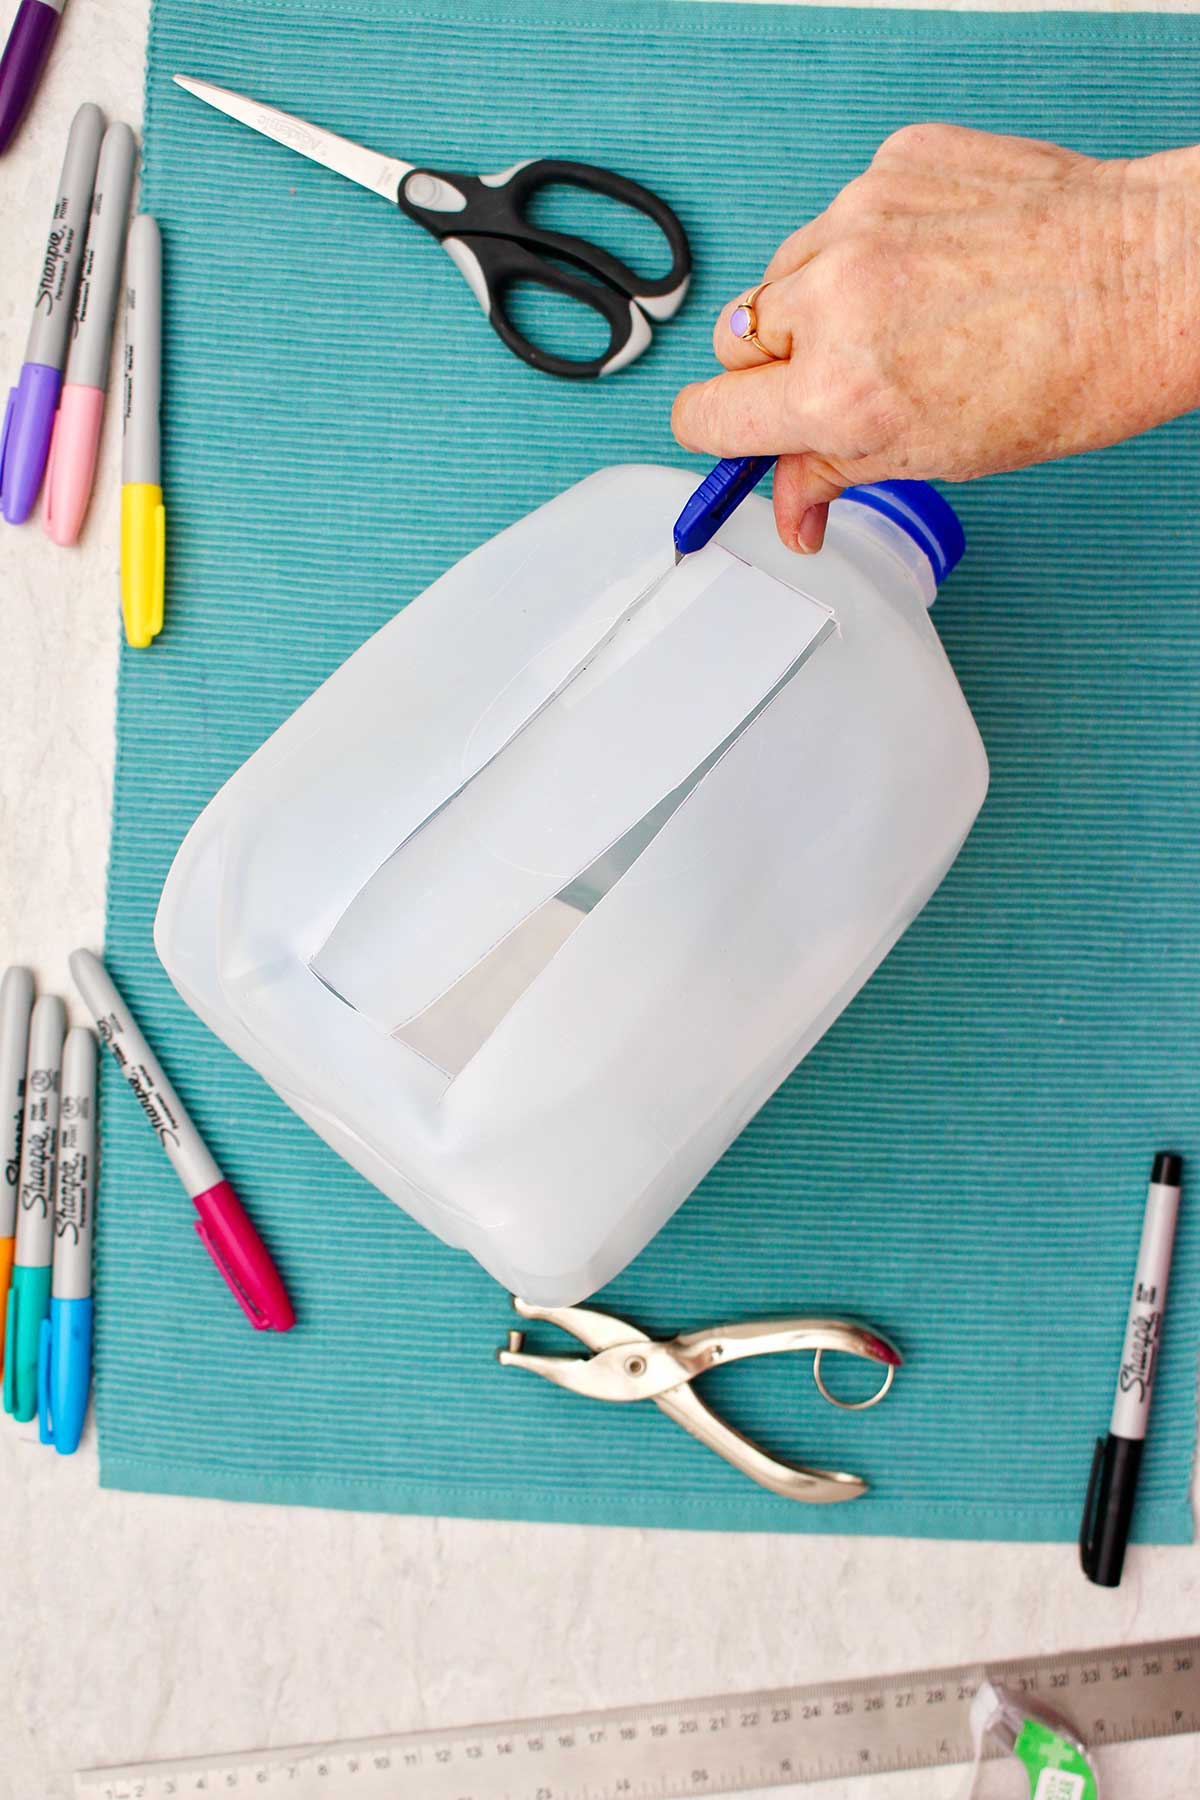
{"x": 71, "y": 1215}
{"x": 143, "y": 1087}
{"x": 37, "y": 1165}
{"x": 58, "y": 246}
{"x": 1137, "y": 1371}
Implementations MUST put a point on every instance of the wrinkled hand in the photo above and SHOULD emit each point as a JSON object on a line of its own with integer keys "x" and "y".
{"x": 970, "y": 303}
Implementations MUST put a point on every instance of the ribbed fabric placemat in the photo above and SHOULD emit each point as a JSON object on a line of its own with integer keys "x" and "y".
{"x": 964, "y": 1157}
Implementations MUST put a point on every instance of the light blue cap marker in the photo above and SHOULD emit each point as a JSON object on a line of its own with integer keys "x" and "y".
{"x": 65, "y": 1373}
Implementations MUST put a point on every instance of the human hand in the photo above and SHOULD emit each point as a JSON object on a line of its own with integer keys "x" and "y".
{"x": 970, "y": 303}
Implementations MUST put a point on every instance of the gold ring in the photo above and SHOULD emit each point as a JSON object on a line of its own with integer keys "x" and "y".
{"x": 743, "y": 322}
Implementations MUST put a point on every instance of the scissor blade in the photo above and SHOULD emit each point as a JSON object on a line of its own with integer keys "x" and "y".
{"x": 382, "y": 174}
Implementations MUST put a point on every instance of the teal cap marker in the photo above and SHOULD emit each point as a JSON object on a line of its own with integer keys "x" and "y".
{"x": 29, "y": 1297}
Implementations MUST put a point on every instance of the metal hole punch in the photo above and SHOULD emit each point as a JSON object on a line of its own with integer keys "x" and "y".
{"x": 626, "y": 1364}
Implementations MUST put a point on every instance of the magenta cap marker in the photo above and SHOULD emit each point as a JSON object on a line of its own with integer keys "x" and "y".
{"x": 29, "y": 416}
{"x": 24, "y": 59}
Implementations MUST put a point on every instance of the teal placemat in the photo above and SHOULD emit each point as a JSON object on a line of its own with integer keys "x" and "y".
{"x": 963, "y": 1159}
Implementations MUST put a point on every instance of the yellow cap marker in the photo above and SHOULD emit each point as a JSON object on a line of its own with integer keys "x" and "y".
{"x": 143, "y": 560}
{"x": 143, "y": 520}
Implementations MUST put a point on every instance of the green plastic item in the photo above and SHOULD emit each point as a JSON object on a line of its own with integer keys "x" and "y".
{"x": 1057, "y": 1768}
{"x": 1056, "y": 1764}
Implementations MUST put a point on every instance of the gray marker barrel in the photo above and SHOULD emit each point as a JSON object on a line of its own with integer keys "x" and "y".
{"x": 143, "y": 352}
{"x": 74, "y": 1209}
{"x": 59, "y": 277}
{"x": 162, "y": 1106}
{"x": 16, "y": 1004}
{"x": 100, "y": 281}
{"x": 39, "y": 1142}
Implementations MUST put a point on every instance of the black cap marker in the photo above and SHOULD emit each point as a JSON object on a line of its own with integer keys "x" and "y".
{"x": 1108, "y": 1509}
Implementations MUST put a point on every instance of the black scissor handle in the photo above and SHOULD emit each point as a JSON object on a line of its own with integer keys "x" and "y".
{"x": 525, "y": 181}
{"x": 451, "y": 205}
{"x": 493, "y": 264}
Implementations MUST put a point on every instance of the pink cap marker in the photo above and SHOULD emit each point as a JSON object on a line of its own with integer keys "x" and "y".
{"x": 224, "y": 1225}
{"x": 72, "y": 465}
{"x": 76, "y": 436}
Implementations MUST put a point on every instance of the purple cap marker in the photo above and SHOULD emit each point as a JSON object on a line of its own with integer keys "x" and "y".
{"x": 24, "y": 59}
{"x": 29, "y": 415}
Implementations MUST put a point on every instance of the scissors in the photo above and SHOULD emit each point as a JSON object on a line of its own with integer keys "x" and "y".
{"x": 482, "y": 223}
{"x": 626, "y": 1365}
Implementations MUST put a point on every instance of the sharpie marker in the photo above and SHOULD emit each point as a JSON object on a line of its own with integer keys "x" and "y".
{"x": 29, "y": 417}
{"x": 143, "y": 520}
{"x": 224, "y": 1225}
{"x": 1108, "y": 1509}
{"x": 16, "y": 1004}
{"x": 81, "y": 407}
{"x": 24, "y": 59}
{"x": 65, "y": 1350}
{"x": 29, "y": 1297}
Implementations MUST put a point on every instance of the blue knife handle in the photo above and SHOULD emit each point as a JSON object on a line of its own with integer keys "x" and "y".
{"x": 719, "y": 495}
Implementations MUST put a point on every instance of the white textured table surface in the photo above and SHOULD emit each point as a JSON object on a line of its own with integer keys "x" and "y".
{"x": 134, "y": 1627}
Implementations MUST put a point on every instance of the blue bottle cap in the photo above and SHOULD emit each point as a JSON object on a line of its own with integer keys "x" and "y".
{"x": 921, "y": 511}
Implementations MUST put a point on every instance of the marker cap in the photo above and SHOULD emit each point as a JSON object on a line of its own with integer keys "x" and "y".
{"x": 8, "y": 1246}
{"x": 25, "y": 439}
{"x": 228, "y": 1235}
{"x": 1108, "y": 1509}
{"x": 143, "y": 561}
{"x": 26, "y": 50}
{"x": 72, "y": 464}
{"x": 28, "y": 1305}
{"x": 64, "y": 1373}
{"x": 1167, "y": 1170}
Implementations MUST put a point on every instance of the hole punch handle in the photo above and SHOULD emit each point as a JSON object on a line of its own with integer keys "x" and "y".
{"x": 793, "y": 1481}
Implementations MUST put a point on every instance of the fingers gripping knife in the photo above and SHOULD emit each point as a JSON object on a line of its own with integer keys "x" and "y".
{"x": 626, "y": 1364}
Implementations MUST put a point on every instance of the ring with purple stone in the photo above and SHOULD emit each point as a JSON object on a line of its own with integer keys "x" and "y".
{"x": 743, "y": 322}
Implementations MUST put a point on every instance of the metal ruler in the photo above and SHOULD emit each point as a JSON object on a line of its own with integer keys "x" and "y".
{"x": 733, "y": 1744}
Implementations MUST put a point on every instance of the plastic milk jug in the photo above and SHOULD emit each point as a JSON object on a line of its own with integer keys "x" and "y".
{"x": 535, "y": 901}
